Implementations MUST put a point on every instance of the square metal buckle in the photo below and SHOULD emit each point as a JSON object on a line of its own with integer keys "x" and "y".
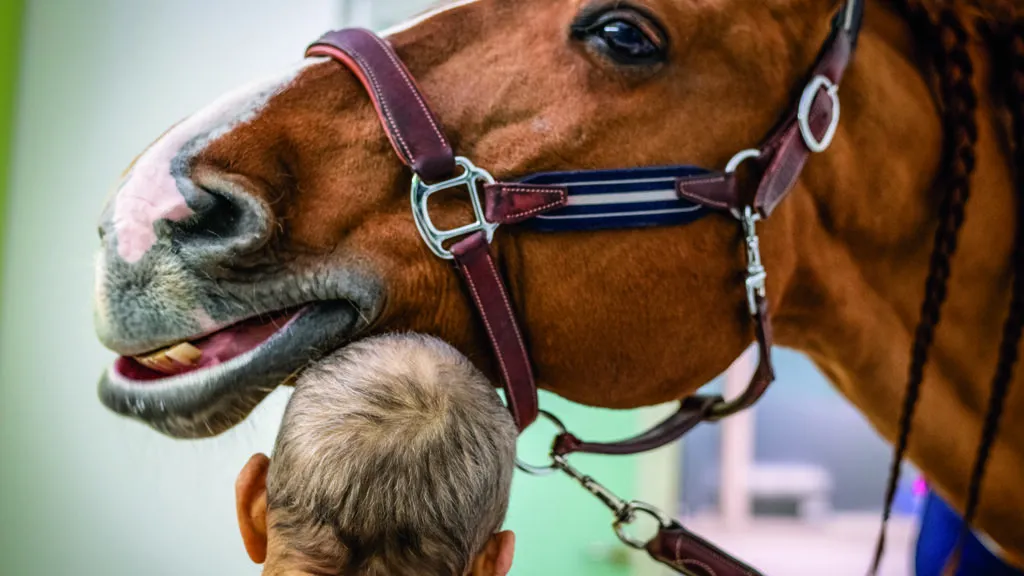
{"x": 470, "y": 179}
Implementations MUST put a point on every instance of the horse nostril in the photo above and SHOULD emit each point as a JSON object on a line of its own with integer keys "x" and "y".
{"x": 216, "y": 217}
{"x": 223, "y": 225}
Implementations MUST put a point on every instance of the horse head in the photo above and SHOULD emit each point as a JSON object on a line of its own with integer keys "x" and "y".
{"x": 274, "y": 225}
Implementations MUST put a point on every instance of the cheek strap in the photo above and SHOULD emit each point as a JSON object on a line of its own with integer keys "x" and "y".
{"x": 419, "y": 141}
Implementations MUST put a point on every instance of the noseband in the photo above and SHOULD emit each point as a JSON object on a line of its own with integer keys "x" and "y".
{"x": 566, "y": 200}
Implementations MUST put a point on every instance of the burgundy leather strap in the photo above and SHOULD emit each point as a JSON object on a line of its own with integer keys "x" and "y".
{"x": 487, "y": 290}
{"x": 764, "y": 375}
{"x": 682, "y": 550}
{"x": 413, "y": 129}
{"x": 692, "y": 411}
{"x": 515, "y": 203}
{"x": 715, "y": 190}
{"x": 783, "y": 154}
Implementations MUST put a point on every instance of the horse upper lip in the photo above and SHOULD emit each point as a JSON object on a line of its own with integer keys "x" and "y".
{"x": 126, "y": 349}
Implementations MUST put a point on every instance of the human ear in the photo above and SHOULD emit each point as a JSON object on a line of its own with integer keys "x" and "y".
{"x": 251, "y": 506}
{"x": 496, "y": 557}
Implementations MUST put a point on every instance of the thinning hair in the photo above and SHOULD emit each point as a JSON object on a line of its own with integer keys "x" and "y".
{"x": 395, "y": 457}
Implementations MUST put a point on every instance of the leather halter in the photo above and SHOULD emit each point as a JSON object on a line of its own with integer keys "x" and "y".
{"x": 419, "y": 141}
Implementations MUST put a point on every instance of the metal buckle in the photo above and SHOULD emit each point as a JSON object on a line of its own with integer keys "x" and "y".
{"x": 470, "y": 179}
{"x": 804, "y": 113}
{"x": 756, "y": 274}
{"x": 625, "y": 512}
{"x": 631, "y": 509}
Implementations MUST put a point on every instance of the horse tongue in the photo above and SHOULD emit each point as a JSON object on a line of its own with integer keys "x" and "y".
{"x": 212, "y": 350}
{"x": 233, "y": 342}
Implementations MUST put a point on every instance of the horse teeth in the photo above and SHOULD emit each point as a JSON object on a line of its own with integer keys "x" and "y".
{"x": 157, "y": 361}
{"x": 171, "y": 359}
{"x": 185, "y": 354}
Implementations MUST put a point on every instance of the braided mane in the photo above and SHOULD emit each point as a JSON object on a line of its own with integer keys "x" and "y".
{"x": 945, "y": 28}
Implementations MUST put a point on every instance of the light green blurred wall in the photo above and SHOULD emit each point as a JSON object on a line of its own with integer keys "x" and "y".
{"x": 10, "y": 36}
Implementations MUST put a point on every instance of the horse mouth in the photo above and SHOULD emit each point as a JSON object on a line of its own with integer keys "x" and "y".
{"x": 203, "y": 387}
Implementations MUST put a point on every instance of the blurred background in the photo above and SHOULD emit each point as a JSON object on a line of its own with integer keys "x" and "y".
{"x": 794, "y": 487}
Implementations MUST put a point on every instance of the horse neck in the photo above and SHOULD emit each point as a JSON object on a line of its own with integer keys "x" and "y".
{"x": 852, "y": 302}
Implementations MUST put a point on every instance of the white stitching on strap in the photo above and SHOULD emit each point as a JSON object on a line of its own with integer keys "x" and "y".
{"x": 364, "y": 65}
{"x": 487, "y": 324}
{"x": 408, "y": 82}
{"x": 561, "y": 198}
{"x": 508, "y": 308}
{"x": 707, "y": 568}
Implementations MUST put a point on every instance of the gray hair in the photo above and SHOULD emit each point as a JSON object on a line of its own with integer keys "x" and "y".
{"x": 395, "y": 456}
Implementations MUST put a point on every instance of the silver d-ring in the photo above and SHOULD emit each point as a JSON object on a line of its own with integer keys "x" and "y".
{"x": 552, "y": 467}
{"x": 804, "y": 113}
{"x": 630, "y": 515}
{"x": 740, "y": 158}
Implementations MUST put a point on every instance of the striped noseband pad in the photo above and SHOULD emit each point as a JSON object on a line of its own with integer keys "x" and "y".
{"x": 609, "y": 199}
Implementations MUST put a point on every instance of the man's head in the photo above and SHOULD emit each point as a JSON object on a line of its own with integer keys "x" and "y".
{"x": 395, "y": 457}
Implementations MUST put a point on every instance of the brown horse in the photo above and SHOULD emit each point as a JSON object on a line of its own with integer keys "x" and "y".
{"x": 275, "y": 226}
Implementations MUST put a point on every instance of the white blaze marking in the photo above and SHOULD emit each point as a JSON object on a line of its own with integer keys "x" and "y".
{"x": 150, "y": 193}
{"x": 426, "y": 16}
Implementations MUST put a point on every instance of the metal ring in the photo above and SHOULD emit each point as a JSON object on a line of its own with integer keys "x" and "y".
{"x": 630, "y": 515}
{"x": 740, "y": 158}
{"x": 547, "y": 469}
{"x": 804, "y": 113}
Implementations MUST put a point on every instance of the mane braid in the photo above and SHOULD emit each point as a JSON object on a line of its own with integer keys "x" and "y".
{"x": 947, "y": 39}
{"x": 1012, "y": 329}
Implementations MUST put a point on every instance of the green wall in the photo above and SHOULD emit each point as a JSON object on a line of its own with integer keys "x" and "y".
{"x": 10, "y": 35}
{"x": 560, "y": 527}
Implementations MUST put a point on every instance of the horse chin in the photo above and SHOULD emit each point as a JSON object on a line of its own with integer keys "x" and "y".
{"x": 212, "y": 397}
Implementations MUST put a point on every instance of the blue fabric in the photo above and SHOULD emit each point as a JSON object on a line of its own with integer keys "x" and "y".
{"x": 940, "y": 528}
{"x": 610, "y": 199}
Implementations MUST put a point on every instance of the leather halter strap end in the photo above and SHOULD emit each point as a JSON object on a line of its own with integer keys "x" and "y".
{"x": 414, "y": 131}
{"x": 684, "y": 551}
{"x": 515, "y": 203}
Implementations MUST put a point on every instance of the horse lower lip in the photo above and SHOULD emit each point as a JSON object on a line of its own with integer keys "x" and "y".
{"x": 205, "y": 403}
{"x": 211, "y": 350}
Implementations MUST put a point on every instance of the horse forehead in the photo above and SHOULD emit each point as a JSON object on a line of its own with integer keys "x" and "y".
{"x": 425, "y": 16}
{"x": 150, "y": 191}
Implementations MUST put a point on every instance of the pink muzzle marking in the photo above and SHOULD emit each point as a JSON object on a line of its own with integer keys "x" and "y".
{"x": 150, "y": 194}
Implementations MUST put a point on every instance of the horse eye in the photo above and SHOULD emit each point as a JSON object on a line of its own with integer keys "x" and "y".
{"x": 627, "y": 40}
{"x": 624, "y": 36}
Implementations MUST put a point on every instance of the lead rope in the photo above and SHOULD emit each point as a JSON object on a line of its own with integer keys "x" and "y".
{"x": 672, "y": 545}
